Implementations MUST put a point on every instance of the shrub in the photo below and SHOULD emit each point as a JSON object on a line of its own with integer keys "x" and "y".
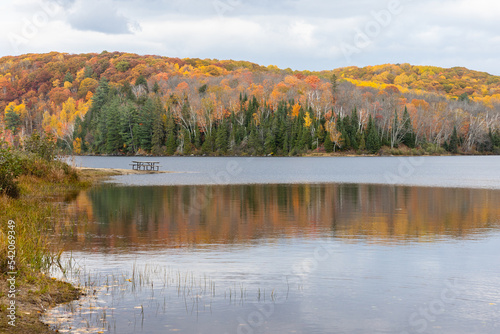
{"x": 10, "y": 169}
{"x": 43, "y": 146}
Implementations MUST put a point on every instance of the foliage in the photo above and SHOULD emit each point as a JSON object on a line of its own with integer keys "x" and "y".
{"x": 119, "y": 103}
{"x": 42, "y": 146}
{"x": 10, "y": 169}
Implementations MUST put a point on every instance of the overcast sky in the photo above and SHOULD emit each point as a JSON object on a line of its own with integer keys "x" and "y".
{"x": 299, "y": 34}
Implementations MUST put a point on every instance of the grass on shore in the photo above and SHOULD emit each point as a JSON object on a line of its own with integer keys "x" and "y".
{"x": 42, "y": 187}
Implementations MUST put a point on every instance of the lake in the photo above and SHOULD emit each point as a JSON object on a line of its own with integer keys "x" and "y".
{"x": 286, "y": 245}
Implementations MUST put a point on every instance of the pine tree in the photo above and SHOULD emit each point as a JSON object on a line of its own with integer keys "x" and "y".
{"x": 270, "y": 143}
{"x": 328, "y": 144}
{"x": 129, "y": 126}
{"x": 362, "y": 142}
{"x": 221, "y": 141}
{"x": 286, "y": 144}
{"x": 158, "y": 138}
{"x": 197, "y": 137}
{"x": 146, "y": 125}
{"x": 188, "y": 146}
{"x": 453, "y": 146}
{"x": 208, "y": 144}
{"x": 372, "y": 137}
{"x": 409, "y": 135}
{"x": 254, "y": 142}
{"x": 114, "y": 142}
{"x": 156, "y": 88}
{"x": 171, "y": 136}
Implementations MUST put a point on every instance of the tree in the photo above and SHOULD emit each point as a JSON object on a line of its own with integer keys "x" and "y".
{"x": 464, "y": 98}
{"x": 328, "y": 144}
{"x": 145, "y": 128}
{"x": 333, "y": 81}
{"x": 114, "y": 140}
{"x": 156, "y": 88}
{"x": 221, "y": 141}
{"x": 13, "y": 121}
{"x": 68, "y": 77}
{"x": 158, "y": 138}
{"x": 398, "y": 130}
{"x": 122, "y": 66}
{"x": 372, "y": 137}
{"x": 43, "y": 146}
{"x": 270, "y": 143}
{"x": 87, "y": 85}
{"x": 408, "y": 134}
{"x": 10, "y": 169}
{"x": 453, "y": 145}
{"x": 171, "y": 136}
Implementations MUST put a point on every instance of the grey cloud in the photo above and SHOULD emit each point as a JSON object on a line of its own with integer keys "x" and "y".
{"x": 100, "y": 16}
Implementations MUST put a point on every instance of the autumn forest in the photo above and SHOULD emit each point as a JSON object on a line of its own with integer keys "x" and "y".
{"x": 126, "y": 104}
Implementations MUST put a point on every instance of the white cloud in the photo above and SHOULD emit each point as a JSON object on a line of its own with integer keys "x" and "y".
{"x": 301, "y": 34}
{"x": 101, "y": 16}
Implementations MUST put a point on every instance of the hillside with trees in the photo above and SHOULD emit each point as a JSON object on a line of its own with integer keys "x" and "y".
{"x": 126, "y": 104}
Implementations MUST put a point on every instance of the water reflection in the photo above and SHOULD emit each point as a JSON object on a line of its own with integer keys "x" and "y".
{"x": 127, "y": 218}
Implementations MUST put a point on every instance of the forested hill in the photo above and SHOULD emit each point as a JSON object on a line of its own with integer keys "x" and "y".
{"x": 119, "y": 103}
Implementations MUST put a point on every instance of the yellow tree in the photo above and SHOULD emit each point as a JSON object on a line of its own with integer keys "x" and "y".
{"x": 335, "y": 135}
{"x": 69, "y": 111}
{"x": 295, "y": 110}
{"x": 77, "y": 146}
{"x": 307, "y": 120}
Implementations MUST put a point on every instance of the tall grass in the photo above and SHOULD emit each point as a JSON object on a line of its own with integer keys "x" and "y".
{"x": 34, "y": 211}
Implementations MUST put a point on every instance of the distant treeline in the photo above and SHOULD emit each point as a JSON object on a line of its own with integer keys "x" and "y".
{"x": 120, "y": 122}
{"x": 120, "y": 103}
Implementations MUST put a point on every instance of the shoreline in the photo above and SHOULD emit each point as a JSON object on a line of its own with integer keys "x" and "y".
{"x": 395, "y": 153}
{"x": 36, "y": 291}
{"x": 105, "y": 172}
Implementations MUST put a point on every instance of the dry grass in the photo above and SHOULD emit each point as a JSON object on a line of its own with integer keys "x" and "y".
{"x": 37, "y": 249}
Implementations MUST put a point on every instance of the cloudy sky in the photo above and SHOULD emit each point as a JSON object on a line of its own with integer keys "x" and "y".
{"x": 299, "y": 34}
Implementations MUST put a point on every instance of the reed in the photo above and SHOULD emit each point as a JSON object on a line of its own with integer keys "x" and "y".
{"x": 42, "y": 188}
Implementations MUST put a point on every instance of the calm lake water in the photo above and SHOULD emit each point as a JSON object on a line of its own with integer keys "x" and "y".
{"x": 292, "y": 245}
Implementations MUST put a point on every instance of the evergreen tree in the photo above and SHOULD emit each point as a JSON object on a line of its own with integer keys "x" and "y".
{"x": 114, "y": 141}
{"x": 270, "y": 143}
{"x": 286, "y": 143}
{"x": 197, "y": 137}
{"x": 156, "y": 88}
{"x": 158, "y": 138}
{"x": 362, "y": 142}
{"x": 142, "y": 82}
{"x": 453, "y": 146}
{"x": 208, "y": 144}
{"x": 409, "y": 134}
{"x": 305, "y": 139}
{"x": 328, "y": 144}
{"x": 145, "y": 133}
{"x": 254, "y": 142}
{"x": 129, "y": 126}
{"x": 221, "y": 141}
{"x": 13, "y": 121}
{"x": 494, "y": 138}
{"x": 188, "y": 146}
{"x": 68, "y": 77}
{"x": 171, "y": 136}
{"x": 342, "y": 125}
{"x": 372, "y": 137}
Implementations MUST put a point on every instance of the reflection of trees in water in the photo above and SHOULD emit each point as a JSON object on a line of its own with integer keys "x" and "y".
{"x": 240, "y": 213}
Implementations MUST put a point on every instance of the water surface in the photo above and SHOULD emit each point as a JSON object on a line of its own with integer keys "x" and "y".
{"x": 284, "y": 258}
{"x": 465, "y": 172}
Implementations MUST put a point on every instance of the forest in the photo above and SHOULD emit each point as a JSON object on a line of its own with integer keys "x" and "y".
{"x": 125, "y": 104}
